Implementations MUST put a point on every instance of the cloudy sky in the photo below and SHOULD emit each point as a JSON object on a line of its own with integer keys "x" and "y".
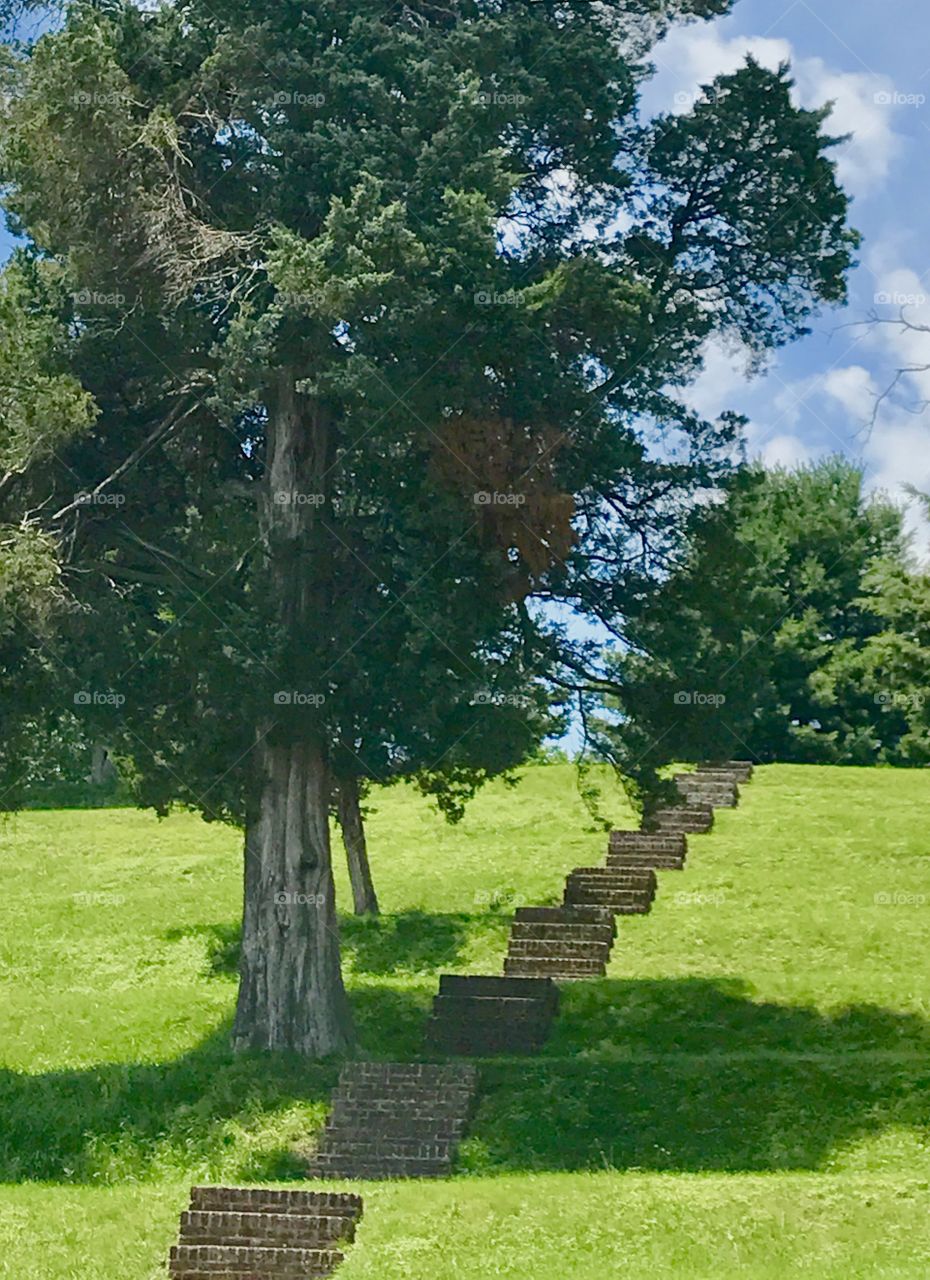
{"x": 871, "y": 59}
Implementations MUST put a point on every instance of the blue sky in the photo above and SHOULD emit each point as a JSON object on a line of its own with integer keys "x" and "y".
{"x": 872, "y": 59}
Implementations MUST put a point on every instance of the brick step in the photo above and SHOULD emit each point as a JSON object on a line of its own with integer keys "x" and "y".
{"x": 216, "y": 1260}
{"x": 286, "y": 1230}
{"x": 525, "y": 931}
{"x": 531, "y": 947}
{"x": 741, "y": 770}
{"x": 273, "y": 1200}
{"x": 636, "y": 878}
{"x": 716, "y": 797}
{"x": 393, "y": 1095}
{"x": 655, "y": 861}
{"x": 357, "y": 1144}
{"x": 338, "y": 1166}
{"x": 487, "y": 1011}
{"x": 556, "y": 967}
{"x": 622, "y": 901}
{"x": 489, "y": 985}
{"x": 430, "y": 1075}
{"x": 486, "y": 1042}
{"x": 682, "y": 819}
{"x": 565, "y": 915}
{"x": 647, "y": 841}
{"x": 403, "y": 1123}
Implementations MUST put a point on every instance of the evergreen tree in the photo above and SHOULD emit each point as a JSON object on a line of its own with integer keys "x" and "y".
{"x": 383, "y": 309}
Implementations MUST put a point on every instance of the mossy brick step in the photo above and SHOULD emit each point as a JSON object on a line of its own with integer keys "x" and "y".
{"x": 718, "y": 797}
{"x": 395, "y": 1120}
{"x": 220, "y": 1262}
{"x": 490, "y": 986}
{"x": 483, "y": 1015}
{"x": 626, "y": 891}
{"x": 739, "y": 770}
{"x": 407, "y": 1125}
{"x": 274, "y": 1200}
{"x": 630, "y": 861}
{"x": 260, "y": 1233}
{"x": 554, "y": 931}
{"x": 488, "y": 1041}
{"x": 681, "y": 819}
{"x": 559, "y": 968}
{"x": 495, "y": 1011}
{"x": 663, "y": 851}
{"x": 570, "y": 950}
{"x": 566, "y": 916}
{"x": 282, "y": 1230}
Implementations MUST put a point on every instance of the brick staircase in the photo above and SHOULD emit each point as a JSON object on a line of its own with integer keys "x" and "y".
{"x": 572, "y": 941}
{"x": 406, "y": 1119}
{"x": 658, "y": 851}
{"x": 395, "y": 1120}
{"x": 483, "y": 1016}
{"x": 245, "y": 1233}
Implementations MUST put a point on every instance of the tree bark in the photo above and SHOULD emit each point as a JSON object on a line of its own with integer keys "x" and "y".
{"x": 353, "y": 837}
{"x": 291, "y": 992}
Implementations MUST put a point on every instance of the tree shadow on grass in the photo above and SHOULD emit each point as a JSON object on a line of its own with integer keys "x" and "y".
{"x": 409, "y": 942}
{"x": 207, "y": 1114}
{"x": 691, "y": 1075}
{"x": 686, "y": 1075}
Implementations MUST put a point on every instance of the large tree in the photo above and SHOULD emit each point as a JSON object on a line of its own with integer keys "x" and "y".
{"x": 384, "y": 308}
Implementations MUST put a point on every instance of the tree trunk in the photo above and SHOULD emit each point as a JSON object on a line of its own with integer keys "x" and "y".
{"x": 353, "y": 837}
{"x": 291, "y": 993}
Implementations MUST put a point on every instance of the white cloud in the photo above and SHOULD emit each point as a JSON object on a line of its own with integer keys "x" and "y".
{"x": 854, "y": 389}
{"x": 863, "y": 101}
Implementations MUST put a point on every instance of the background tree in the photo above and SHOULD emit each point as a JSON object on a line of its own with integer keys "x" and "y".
{"x": 335, "y": 271}
{"x": 790, "y": 631}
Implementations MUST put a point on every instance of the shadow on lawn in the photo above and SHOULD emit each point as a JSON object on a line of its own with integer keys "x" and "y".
{"x": 712, "y": 1081}
{"x": 681, "y": 1075}
{"x": 411, "y": 942}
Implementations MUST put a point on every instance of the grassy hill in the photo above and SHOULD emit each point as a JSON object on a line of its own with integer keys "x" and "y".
{"x": 746, "y": 1094}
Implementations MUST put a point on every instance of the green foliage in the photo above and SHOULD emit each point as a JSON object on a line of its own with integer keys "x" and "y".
{"x": 356, "y": 203}
{"x": 793, "y": 628}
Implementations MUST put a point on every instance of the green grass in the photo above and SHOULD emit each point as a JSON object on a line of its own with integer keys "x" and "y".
{"x": 746, "y": 1094}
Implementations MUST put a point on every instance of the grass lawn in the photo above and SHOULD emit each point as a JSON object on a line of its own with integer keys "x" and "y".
{"x": 746, "y": 1094}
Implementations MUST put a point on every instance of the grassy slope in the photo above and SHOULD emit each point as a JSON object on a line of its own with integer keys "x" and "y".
{"x": 746, "y": 1094}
